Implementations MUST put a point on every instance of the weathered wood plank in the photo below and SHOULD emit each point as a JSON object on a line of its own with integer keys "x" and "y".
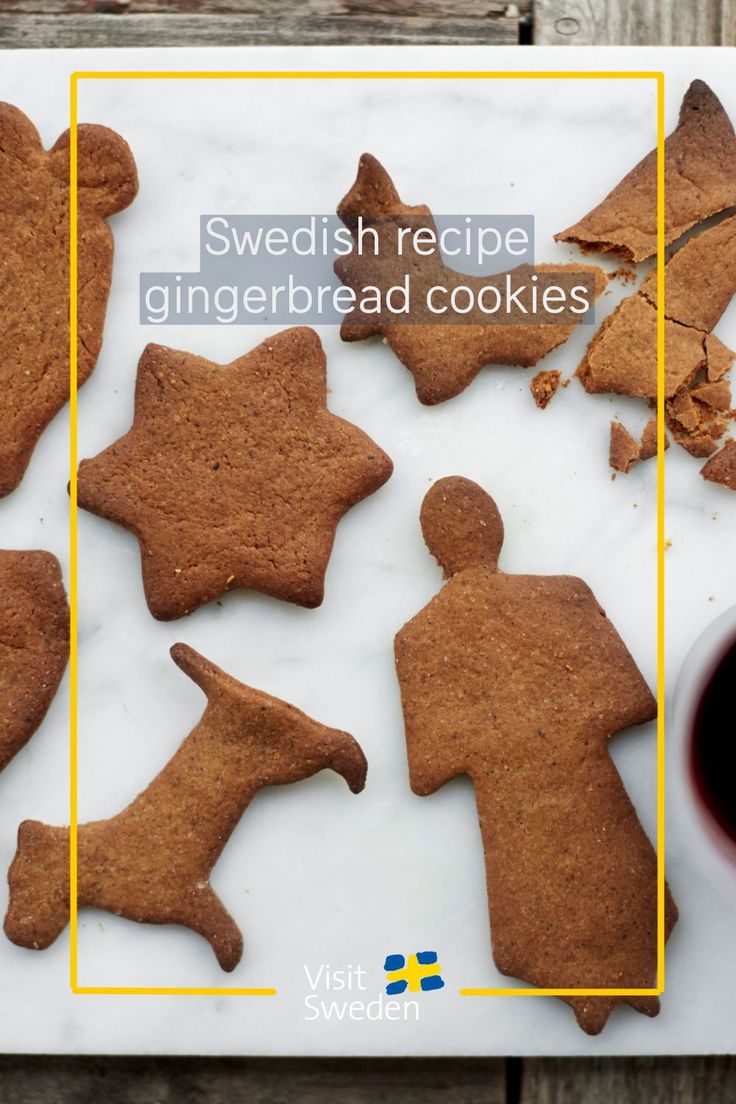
{"x": 629, "y": 1080}
{"x": 634, "y": 22}
{"x": 275, "y": 9}
{"x": 51, "y": 1080}
{"x": 101, "y": 23}
{"x": 48, "y": 31}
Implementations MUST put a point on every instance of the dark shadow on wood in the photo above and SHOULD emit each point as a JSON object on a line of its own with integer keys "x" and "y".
{"x": 681, "y": 1080}
{"x": 115, "y": 1080}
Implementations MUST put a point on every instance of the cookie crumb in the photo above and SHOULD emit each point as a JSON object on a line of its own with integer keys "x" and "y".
{"x": 624, "y": 450}
{"x": 648, "y": 446}
{"x": 544, "y": 387}
{"x": 625, "y": 275}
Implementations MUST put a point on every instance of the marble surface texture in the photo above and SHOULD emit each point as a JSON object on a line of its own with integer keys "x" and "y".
{"x": 314, "y": 874}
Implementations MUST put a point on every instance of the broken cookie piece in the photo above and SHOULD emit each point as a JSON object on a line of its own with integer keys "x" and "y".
{"x": 648, "y": 447}
{"x": 622, "y": 357}
{"x": 715, "y": 395}
{"x": 544, "y": 387}
{"x": 624, "y": 450}
{"x": 700, "y": 181}
{"x": 721, "y": 468}
{"x": 700, "y": 279}
{"x": 683, "y": 412}
{"x": 698, "y": 416}
{"x": 719, "y": 357}
{"x": 444, "y": 358}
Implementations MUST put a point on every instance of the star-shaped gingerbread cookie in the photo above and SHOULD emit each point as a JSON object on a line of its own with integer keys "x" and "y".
{"x": 233, "y": 475}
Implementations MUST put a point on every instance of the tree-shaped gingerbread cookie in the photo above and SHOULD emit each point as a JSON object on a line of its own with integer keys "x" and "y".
{"x": 519, "y": 681}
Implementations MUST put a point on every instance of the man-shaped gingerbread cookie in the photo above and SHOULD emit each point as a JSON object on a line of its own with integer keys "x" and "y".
{"x": 520, "y": 681}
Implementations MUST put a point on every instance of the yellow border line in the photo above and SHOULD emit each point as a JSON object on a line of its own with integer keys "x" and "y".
{"x": 73, "y": 547}
{"x": 73, "y": 558}
{"x": 367, "y": 74}
{"x": 661, "y": 533}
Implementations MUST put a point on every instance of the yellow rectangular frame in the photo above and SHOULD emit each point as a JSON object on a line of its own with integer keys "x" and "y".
{"x": 75, "y": 78}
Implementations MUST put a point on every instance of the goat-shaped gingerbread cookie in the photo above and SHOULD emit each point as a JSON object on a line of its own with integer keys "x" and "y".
{"x": 520, "y": 681}
{"x": 34, "y": 271}
{"x": 152, "y": 862}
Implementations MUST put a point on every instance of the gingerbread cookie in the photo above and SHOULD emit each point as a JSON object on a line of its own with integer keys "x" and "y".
{"x": 622, "y": 357}
{"x": 721, "y": 468}
{"x": 443, "y": 358}
{"x": 152, "y": 862}
{"x": 34, "y": 644}
{"x": 233, "y": 475}
{"x": 700, "y": 180}
{"x": 625, "y": 451}
{"x": 520, "y": 681}
{"x": 700, "y": 281}
{"x": 34, "y": 271}
{"x": 695, "y": 423}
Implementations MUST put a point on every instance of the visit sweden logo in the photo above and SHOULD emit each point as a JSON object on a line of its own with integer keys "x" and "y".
{"x": 419, "y": 973}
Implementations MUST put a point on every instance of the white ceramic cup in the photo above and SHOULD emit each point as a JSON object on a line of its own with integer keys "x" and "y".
{"x": 712, "y": 848}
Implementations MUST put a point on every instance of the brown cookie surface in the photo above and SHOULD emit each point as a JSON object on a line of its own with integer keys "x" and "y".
{"x": 700, "y": 281}
{"x": 443, "y": 359}
{"x": 624, "y": 450}
{"x": 721, "y": 468}
{"x": 544, "y": 387}
{"x": 622, "y": 357}
{"x": 700, "y": 180}
{"x": 152, "y": 862}
{"x": 520, "y": 681}
{"x": 233, "y": 475}
{"x": 34, "y": 271}
{"x": 649, "y": 441}
{"x": 34, "y": 644}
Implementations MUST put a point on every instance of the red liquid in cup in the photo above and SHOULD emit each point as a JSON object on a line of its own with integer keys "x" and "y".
{"x": 713, "y": 744}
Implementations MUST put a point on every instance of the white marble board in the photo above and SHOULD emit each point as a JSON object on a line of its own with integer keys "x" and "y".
{"x": 313, "y": 874}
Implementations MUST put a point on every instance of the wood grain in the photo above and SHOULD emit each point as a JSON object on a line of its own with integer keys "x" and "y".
{"x": 635, "y": 22}
{"x": 59, "y": 1080}
{"x": 628, "y": 1080}
{"x": 102, "y": 23}
{"x": 110, "y": 1080}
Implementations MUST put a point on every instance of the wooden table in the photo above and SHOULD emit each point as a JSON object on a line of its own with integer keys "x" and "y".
{"x": 55, "y": 23}
{"x": 100, "y": 23}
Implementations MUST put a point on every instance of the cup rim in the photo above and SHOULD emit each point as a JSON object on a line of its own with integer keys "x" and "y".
{"x": 718, "y": 856}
